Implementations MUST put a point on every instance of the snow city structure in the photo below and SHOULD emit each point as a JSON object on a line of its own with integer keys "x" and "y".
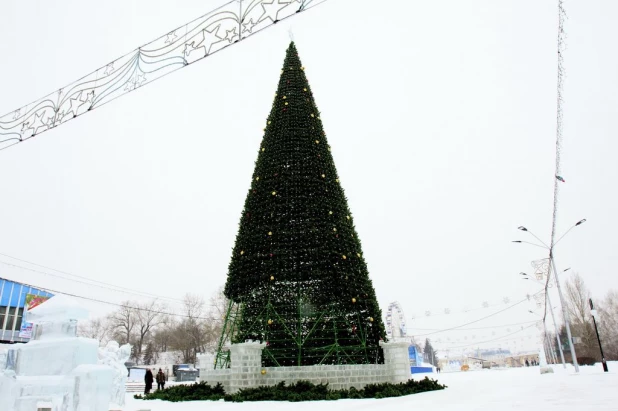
{"x": 57, "y": 370}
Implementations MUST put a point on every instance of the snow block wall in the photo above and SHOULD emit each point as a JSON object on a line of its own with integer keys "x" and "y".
{"x": 55, "y": 357}
{"x": 59, "y": 369}
{"x": 246, "y": 370}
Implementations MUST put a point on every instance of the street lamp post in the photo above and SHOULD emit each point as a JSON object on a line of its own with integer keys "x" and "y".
{"x": 543, "y": 367}
{"x": 553, "y": 317}
{"x": 565, "y": 312}
{"x": 594, "y": 320}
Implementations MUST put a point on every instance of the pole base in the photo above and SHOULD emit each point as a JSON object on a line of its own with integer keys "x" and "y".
{"x": 547, "y": 370}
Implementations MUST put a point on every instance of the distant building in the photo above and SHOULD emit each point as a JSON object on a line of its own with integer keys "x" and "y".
{"x": 14, "y": 297}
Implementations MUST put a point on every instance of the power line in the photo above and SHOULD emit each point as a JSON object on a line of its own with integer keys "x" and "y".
{"x": 476, "y": 328}
{"x": 476, "y": 321}
{"x": 494, "y": 339}
{"x": 211, "y": 305}
{"x": 116, "y": 304}
{"x": 91, "y": 282}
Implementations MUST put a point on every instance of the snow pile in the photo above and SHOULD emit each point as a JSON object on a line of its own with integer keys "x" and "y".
{"x": 482, "y": 390}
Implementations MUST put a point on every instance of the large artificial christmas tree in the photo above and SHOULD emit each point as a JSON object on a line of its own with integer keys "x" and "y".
{"x": 297, "y": 279}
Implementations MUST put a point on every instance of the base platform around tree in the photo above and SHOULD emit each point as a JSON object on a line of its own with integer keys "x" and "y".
{"x": 246, "y": 370}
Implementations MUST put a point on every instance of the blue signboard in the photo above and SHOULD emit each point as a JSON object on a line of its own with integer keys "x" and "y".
{"x": 416, "y": 357}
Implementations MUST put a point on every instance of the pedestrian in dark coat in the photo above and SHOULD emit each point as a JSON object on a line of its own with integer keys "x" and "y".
{"x": 160, "y": 380}
{"x": 148, "y": 379}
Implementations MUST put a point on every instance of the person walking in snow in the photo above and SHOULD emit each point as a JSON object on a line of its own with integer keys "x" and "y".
{"x": 160, "y": 380}
{"x": 148, "y": 379}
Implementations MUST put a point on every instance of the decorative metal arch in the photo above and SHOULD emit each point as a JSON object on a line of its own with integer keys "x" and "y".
{"x": 194, "y": 41}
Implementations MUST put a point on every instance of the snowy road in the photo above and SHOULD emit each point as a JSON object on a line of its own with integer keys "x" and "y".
{"x": 488, "y": 390}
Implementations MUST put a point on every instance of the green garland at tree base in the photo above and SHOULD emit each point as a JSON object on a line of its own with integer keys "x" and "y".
{"x": 299, "y": 391}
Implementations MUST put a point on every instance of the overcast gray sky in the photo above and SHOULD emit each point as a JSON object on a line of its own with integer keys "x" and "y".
{"x": 441, "y": 116}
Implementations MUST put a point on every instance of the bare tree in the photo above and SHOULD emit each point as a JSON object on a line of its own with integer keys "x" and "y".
{"x": 147, "y": 317}
{"x": 608, "y": 324}
{"x": 190, "y": 331}
{"x": 164, "y": 334}
{"x": 199, "y": 329}
{"x": 122, "y": 322}
{"x": 98, "y": 329}
{"x": 219, "y": 305}
{"x": 577, "y": 296}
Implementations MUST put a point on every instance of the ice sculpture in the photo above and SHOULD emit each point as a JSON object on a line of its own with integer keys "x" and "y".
{"x": 115, "y": 357}
{"x": 56, "y": 367}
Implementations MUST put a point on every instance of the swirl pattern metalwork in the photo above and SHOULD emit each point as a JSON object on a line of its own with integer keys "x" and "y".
{"x": 541, "y": 271}
{"x": 194, "y": 41}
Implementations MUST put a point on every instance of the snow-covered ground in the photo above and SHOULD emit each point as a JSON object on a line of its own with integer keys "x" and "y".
{"x": 483, "y": 390}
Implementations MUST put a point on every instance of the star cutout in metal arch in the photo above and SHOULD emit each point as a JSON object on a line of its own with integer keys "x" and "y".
{"x": 209, "y": 38}
{"x": 88, "y": 96}
{"x": 141, "y": 79}
{"x": 17, "y": 114}
{"x": 205, "y": 39}
{"x": 109, "y": 69}
{"x": 248, "y": 26}
{"x": 230, "y": 34}
{"x": 25, "y": 127}
{"x": 171, "y": 37}
{"x": 38, "y": 122}
{"x": 87, "y": 99}
{"x": 271, "y": 10}
{"x": 75, "y": 104}
{"x": 131, "y": 84}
